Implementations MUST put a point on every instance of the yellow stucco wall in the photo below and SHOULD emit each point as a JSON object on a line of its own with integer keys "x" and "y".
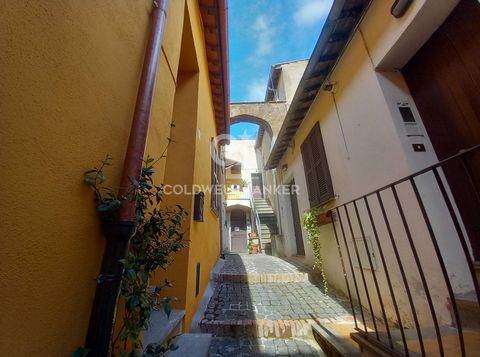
{"x": 69, "y": 75}
{"x": 195, "y": 118}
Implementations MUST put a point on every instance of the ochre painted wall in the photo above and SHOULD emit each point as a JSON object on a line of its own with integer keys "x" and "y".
{"x": 69, "y": 75}
{"x": 188, "y": 163}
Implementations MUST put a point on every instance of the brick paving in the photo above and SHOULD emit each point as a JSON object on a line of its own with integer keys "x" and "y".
{"x": 265, "y": 306}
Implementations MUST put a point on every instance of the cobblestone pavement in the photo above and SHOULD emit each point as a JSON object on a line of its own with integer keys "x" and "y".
{"x": 252, "y": 263}
{"x": 274, "y": 301}
{"x": 258, "y": 318}
{"x": 230, "y": 346}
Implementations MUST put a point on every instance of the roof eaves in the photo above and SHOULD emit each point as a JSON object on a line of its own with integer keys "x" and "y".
{"x": 341, "y": 23}
{"x": 216, "y": 11}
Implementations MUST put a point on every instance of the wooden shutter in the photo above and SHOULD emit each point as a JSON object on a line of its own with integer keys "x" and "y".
{"x": 317, "y": 174}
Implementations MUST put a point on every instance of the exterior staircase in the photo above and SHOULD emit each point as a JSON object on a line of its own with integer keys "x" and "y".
{"x": 162, "y": 328}
{"x": 268, "y": 224}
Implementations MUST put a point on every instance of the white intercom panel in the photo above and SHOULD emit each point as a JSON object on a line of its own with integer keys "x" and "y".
{"x": 410, "y": 123}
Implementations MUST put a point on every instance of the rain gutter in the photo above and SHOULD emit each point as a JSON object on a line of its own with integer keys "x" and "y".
{"x": 223, "y": 19}
{"x": 118, "y": 234}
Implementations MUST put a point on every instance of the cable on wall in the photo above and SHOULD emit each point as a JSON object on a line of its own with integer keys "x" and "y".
{"x": 341, "y": 126}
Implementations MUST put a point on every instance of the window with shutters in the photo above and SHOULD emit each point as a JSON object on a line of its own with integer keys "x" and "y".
{"x": 319, "y": 182}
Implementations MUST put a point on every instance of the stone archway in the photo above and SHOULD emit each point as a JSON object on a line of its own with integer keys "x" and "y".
{"x": 247, "y": 118}
{"x": 268, "y": 115}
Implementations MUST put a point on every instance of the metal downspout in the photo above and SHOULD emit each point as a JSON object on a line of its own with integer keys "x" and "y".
{"x": 118, "y": 234}
{"x": 223, "y": 19}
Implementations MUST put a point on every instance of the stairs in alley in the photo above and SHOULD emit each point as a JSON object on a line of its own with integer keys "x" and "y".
{"x": 268, "y": 223}
{"x": 162, "y": 328}
{"x": 266, "y": 306}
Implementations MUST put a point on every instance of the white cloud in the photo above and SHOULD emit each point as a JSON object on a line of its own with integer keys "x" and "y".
{"x": 245, "y": 135}
{"x": 264, "y": 34}
{"x": 256, "y": 91}
{"x": 311, "y": 11}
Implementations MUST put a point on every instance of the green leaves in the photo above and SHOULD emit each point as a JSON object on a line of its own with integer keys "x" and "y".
{"x": 159, "y": 233}
{"x": 310, "y": 222}
{"x": 167, "y": 308}
{"x": 107, "y": 201}
{"x": 159, "y": 349}
{"x": 89, "y": 180}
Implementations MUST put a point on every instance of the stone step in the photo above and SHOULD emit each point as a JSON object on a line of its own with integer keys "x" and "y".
{"x": 266, "y": 232}
{"x": 191, "y": 344}
{"x": 468, "y": 309}
{"x": 268, "y": 224}
{"x": 267, "y": 219}
{"x": 370, "y": 346}
{"x": 162, "y": 327}
{"x": 258, "y": 328}
{"x": 260, "y": 200}
{"x": 244, "y": 346}
{"x": 257, "y": 278}
{"x": 334, "y": 339}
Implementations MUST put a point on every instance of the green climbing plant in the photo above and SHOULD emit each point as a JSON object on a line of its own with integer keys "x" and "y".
{"x": 158, "y": 234}
{"x": 310, "y": 222}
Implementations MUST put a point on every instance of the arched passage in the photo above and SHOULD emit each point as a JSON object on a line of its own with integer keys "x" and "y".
{"x": 247, "y": 118}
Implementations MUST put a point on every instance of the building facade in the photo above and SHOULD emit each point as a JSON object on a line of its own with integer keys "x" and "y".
{"x": 70, "y": 73}
{"x": 378, "y": 102}
{"x": 255, "y": 200}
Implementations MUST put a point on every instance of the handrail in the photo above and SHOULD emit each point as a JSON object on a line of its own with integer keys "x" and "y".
{"x": 393, "y": 217}
{"x": 257, "y": 218}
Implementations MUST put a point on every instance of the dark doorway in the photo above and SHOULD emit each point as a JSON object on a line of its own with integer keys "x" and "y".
{"x": 296, "y": 219}
{"x": 257, "y": 185}
{"x": 444, "y": 79}
{"x": 238, "y": 222}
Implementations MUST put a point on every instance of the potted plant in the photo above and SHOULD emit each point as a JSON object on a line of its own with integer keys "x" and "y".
{"x": 324, "y": 218}
{"x": 250, "y": 246}
{"x": 243, "y": 183}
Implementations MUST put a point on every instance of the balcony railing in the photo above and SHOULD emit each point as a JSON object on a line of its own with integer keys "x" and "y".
{"x": 415, "y": 227}
{"x": 238, "y": 195}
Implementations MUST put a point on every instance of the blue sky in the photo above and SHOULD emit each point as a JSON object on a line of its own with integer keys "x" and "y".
{"x": 265, "y": 32}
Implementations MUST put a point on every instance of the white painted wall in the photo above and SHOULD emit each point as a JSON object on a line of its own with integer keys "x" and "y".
{"x": 367, "y": 148}
{"x": 244, "y": 152}
{"x": 289, "y": 78}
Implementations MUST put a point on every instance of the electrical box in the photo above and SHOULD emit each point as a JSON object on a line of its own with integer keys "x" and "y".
{"x": 198, "y": 206}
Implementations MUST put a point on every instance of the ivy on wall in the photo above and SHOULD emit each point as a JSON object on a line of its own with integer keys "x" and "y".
{"x": 310, "y": 222}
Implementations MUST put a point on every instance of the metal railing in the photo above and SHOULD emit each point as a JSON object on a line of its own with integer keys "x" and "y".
{"x": 239, "y": 195}
{"x": 257, "y": 218}
{"x": 411, "y": 222}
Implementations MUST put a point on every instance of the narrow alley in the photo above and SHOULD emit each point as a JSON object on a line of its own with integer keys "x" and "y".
{"x": 213, "y": 178}
{"x": 265, "y": 306}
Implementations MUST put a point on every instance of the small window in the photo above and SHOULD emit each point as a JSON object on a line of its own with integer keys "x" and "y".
{"x": 317, "y": 174}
